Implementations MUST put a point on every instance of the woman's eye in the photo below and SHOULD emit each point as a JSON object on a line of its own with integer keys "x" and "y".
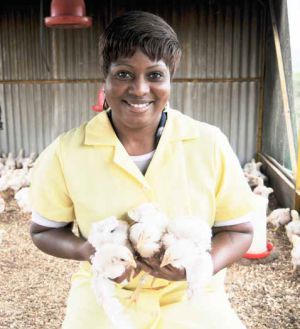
{"x": 156, "y": 75}
{"x": 123, "y": 75}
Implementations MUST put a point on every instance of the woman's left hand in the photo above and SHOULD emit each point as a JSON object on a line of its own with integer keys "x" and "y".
{"x": 168, "y": 272}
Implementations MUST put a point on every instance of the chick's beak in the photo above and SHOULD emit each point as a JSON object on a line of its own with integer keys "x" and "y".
{"x": 132, "y": 263}
{"x": 166, "y": 260}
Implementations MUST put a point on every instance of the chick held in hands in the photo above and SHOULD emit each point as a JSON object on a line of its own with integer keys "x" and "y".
{"x": 146, "y": 233}
{"x": 109, "y": 230}
{"x": 187, "y": 244}
{"x": 109, "y": 263}
{"x": 113, "y": 262}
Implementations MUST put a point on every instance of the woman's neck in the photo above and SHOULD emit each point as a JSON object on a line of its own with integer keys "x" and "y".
{"x": 139, "y": 141}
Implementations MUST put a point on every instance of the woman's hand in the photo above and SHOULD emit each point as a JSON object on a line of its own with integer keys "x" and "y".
{"x": 85, "y": 251}
{"x": 168, "y": 272}
{"x": 128, "y": 275}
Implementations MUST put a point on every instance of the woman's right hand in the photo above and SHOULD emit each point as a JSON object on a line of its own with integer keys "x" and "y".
{"x": 85, "y": 251}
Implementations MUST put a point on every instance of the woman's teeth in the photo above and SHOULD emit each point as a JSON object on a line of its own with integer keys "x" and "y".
{"x": 139, "y": 106}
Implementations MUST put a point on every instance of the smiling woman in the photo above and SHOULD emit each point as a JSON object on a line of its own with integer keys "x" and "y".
{"x": 137, "y": 90}
{"x": 136, "y": 152}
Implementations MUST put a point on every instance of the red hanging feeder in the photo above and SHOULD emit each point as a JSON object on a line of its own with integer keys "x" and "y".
{"x": 101, "y": 97}
{"x": 68, "y": 14}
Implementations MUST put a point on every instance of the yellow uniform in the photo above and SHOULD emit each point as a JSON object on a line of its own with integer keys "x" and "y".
{"x": 87, "y": 175}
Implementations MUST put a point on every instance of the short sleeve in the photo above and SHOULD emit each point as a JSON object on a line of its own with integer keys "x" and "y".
{"x": 234, "y": 198}
{"x": 48, "y": 191}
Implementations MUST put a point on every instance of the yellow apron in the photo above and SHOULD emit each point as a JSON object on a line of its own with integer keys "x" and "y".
{"x": 162, "y": 306}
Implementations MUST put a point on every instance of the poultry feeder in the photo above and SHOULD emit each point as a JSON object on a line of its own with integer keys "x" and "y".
{"x": 68, "y": 14}
{"x": 259, "y": 248}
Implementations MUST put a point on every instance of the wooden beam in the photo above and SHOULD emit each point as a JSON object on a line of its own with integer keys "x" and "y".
{"x": 286, "y": 106}
{"x": 284, "y": 187}
{"x": 297, "y": 194}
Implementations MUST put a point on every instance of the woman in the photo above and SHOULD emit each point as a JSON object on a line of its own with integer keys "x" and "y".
{"x": 140, "y": 151}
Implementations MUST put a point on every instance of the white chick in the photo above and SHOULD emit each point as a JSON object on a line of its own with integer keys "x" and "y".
{"x": 187, "y": 243}
{"x": 252, "y": 180}
{"x": 293, "y": 227}
{"x": 261, "y": 189}
{"x": 189, "y": 228}
{"x": 108, "y": 263}
{"x": 253, "y": 168}
{"x": 22, "y": 198}
{"x": 109, "y": 230}
{"x": 5, "y": 178}
{"x": 10, "y": 163}
{"x": 19, "y": 159}
{"x": 278, "y": 217}
{"x": 295, "y": 253}
{"x": 198, "y": 265}
{"x": 1, "y": 167}
{"x": 146, "y": 233}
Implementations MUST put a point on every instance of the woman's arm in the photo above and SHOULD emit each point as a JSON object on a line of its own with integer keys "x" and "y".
{"x": 230, "y": 243}
{"x": 61, "y": 242}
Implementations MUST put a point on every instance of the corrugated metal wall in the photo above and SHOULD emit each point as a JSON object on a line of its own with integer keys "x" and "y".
{"x": 218, "y": 81}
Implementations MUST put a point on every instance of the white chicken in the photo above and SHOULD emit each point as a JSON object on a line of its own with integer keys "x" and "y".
{"x": 146, "y": 233}
{"x": 261, "y": 189}
{"x": 295, "y": 253}
{"x": 187, "y": 244}
{"x": 10, "y": 163}
{"x": 109, "y": 230}
{"x": 22, "y": 198}
{"x": 113, "y": 256}
{"x": 293, "y": 227}
{"x": 110, "y": 262}
{"x": 252, "y": 180}
{"x": 279, "y": 217}
{"x": 253, "y": 168}
{"x": 19, "y": 158}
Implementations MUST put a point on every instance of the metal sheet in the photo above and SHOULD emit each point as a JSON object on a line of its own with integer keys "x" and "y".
{"x": 221, "y": 40}
{"x": 35, "y": 114}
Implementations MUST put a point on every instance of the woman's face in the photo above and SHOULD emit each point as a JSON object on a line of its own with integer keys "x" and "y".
{"x": 137, "y": 89}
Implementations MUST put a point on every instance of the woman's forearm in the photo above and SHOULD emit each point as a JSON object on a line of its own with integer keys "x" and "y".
{"x": 229, "y": 244}
{"x": 61, "y": 242}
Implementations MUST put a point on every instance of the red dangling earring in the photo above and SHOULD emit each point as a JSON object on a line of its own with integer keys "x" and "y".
{"x": 101, "y": 101}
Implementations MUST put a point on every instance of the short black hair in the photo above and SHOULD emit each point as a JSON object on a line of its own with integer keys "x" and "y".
{"x": 139, "y": 30}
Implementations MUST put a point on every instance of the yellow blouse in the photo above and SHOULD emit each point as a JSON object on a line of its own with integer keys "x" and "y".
{"x": 86, "y": 175}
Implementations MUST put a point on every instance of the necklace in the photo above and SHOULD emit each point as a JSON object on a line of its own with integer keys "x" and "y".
{"x": 159, "y": 130}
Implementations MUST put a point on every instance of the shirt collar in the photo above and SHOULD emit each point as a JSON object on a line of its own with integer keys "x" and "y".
{"x": 99, "y": 131}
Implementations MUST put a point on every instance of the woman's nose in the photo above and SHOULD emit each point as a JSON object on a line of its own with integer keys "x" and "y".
{"x": 139, "y": 86}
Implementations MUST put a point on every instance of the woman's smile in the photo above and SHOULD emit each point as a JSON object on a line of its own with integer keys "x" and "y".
{"x": 138, "y": 107}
